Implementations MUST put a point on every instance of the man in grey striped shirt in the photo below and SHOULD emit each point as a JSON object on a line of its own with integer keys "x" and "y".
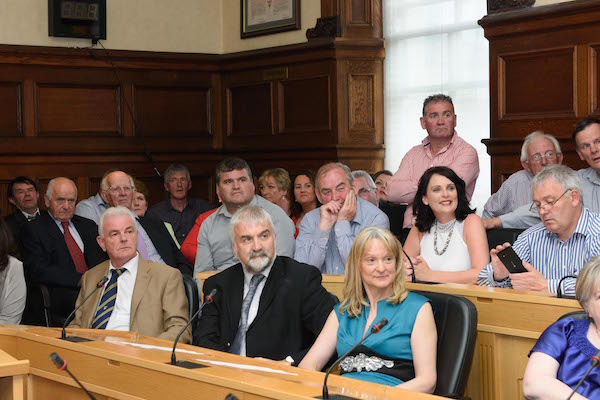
{"x": 567, "y": 238}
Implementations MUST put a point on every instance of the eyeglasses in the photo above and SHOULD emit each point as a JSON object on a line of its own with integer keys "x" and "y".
{"x": 547, "y": 205}
{"x": 118, "y": 189}
{"x": 364, "y": 191}
{"x": 537, "y": 157}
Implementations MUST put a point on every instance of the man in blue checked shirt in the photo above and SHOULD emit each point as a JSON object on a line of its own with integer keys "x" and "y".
{"x": 567, "y": 238}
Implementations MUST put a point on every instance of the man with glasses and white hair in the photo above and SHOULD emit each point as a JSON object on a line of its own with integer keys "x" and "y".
{"x": 567, "y": 238}
{"x": 364, "y": 187}
{"x": 266, "y": 305}
{"x": 539, "y": 149}
{"x": 154, "y": 241}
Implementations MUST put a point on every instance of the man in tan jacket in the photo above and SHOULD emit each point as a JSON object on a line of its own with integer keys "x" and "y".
{"x": 140, "y": 296}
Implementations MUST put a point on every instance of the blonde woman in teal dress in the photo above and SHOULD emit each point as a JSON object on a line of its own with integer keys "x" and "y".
{"x": 403, "y": 354}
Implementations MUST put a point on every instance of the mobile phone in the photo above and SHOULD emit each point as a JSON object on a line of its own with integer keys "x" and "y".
{"x": 511, "y": 261}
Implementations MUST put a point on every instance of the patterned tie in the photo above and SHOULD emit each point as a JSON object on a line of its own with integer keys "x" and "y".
{"x": 108, "y": 300}
{"x": 240, "y": 336}
{"x": 76, "y": 253}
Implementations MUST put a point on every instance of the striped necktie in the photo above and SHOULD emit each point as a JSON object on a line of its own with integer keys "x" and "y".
{"x": 108, "y": 300}
{"x": 240, "y": 336}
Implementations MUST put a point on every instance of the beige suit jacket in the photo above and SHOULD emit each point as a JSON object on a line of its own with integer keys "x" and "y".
{"x": 159, "y": 306}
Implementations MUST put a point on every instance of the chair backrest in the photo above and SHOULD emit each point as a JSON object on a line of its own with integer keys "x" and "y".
{"x": 395, "y": 213}
{"x": 191, "y": 291}
{"x": 456, "y": 322}
{"x": 502, "y": 235}
{"x": 575, "y": 315}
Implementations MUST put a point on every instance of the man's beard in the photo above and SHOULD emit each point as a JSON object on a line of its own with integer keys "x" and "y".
{"x": 258, "y": 261}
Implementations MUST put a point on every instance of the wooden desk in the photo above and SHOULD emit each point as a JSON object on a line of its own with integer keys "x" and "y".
{"x": 509, "y": 323}
{"x": 12, "y": 377}
{"x": 123, "y": 366}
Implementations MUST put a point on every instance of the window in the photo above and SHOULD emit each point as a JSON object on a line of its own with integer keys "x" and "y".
{"x": 436, "y": 46}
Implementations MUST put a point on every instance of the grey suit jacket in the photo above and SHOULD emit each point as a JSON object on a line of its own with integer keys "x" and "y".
{"x": 159, "y": 306}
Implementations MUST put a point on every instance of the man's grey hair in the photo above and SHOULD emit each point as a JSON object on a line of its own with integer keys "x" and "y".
{"x": 564, "y": 176}
{"x": 436, "y": 98}
{"x": 104, "y": 181}
{"x": 364, "y": 174}
{"x": 113, "y": 212}
{"x": 534, "y": 135}
{"x": 328, "y": 167}
{"x": 174, "y": 168}
{"x": 50, "y": 188}
{"x": 249, "y": 213}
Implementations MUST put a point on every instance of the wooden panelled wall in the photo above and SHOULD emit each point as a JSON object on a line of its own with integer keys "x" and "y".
{"x": 543, "y": 75}
{"x": 79, "y": 112}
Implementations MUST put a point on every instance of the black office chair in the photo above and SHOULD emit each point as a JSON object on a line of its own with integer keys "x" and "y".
{"x": 575, "y": 315}
{"x": 37, "y": 306}
{"x": 456, "y": 322}
{"x": 395, "y": 213}
{"x": 191, "y": 291}
{"x": 502, "y": 235}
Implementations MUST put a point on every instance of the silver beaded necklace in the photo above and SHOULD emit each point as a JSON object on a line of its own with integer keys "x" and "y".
{"x": 435, "y": 238}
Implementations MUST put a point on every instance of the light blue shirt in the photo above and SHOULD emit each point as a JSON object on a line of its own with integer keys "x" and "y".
{"x": 152, "y": 252}
{"x": 91, "y": 208}
{"x": 328, "y": 251}
{"x": 514, "y": 192}
{"x": 552, "y": 257}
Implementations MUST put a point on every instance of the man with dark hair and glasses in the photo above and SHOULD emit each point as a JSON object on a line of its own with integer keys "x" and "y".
{"x": 567, "y": 238}
{"x": 502, "y": 210}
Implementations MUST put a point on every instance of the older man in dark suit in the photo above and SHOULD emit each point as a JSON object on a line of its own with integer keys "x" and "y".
{"x": 58, "y": 247}
{"x": 266, "y": 306}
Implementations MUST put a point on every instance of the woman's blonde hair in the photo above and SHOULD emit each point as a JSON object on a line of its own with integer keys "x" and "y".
{"x": 282, "y": 178}
{"x": 588, "y": 281}
{"x": 354, "y": 292}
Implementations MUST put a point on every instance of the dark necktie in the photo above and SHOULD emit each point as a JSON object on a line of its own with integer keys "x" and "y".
{"x": 240, "y": 336}
{"x": 108, "y": 300}
{"x": 76, "y": 253}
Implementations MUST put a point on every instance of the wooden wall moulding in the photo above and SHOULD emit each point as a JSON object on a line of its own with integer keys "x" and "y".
{"x": 543, "y": 76}
{"x": 359, "y": 19}
{"x": 67, "y": 112}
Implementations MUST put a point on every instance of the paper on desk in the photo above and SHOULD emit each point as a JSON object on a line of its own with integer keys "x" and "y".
{"x": 245, "y": 366}
{"x": 151, "y": 347}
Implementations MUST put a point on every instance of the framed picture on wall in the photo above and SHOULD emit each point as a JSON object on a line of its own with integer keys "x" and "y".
{"x": 264, "y": 17}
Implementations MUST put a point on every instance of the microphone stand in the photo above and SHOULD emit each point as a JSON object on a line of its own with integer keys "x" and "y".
{"x": 188, "y": 364}
{"x": 64, "y": 336}
{"x": 374, "y": 329}
{"x": 595, "y": 361}
{"x": 62, "y": 365}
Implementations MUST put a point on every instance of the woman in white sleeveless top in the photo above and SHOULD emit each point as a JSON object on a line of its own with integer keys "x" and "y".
{"x": 448, "y": 242}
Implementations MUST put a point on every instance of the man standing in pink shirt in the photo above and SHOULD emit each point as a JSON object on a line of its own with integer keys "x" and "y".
{"x": 441, "y": 147}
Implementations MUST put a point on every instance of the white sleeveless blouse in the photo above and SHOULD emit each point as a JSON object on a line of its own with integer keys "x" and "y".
{"x": 456, "y": 257}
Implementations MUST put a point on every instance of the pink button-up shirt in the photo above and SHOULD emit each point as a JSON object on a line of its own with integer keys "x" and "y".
{"x": 458, "y": 155}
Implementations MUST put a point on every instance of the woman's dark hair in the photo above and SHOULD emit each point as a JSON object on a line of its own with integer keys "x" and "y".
{"x": 423, "y": 212}
{"x": 7, "y": 245}
{"x": 310, "y": 174}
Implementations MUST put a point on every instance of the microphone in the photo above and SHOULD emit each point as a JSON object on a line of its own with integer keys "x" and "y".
{"x": 413, "y": 278}
{"x": 100, "y": 284}
{"x": 595, "y": 361}
{"x": 376, "y": 328}
{"x": 186, "y": 364}
{"x": 62, "y": 366}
